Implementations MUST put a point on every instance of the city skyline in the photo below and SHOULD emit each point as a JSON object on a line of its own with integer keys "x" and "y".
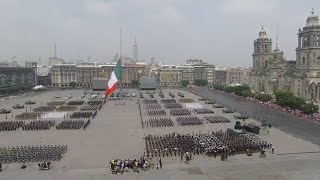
{"x": 170, "y": 30}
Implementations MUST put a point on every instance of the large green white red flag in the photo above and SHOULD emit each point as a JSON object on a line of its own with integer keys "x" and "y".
{"x": 114, "y": 78}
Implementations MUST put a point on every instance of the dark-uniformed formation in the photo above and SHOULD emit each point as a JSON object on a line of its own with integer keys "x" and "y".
{"x": 70, "y": 124}
{"x": 179, "y": 112}
{"x": 150, "y": 101}
{"x": 173, "y": 105}
{"x": 156, "y": 112}
{"x": 211, "y": 143}
{"x": 159, "y": 122}
{"x": 81, "y": 115}
{"x": 38, "y": 125}
{"x": 10, "y": 125}
{"x": 90, "y": 107}
{"x": 23, "y": 154}
{"x": 165, "y": 101}
{"x": 189, "y": 121}
{"x": 203, "y": 111}
{"x": 75, "y": 103}
{"x": 94, "y": 102}
{"x": 216, "y": 119}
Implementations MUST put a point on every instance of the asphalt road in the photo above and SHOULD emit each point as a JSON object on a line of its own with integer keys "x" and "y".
{"x": 298, "y": 127}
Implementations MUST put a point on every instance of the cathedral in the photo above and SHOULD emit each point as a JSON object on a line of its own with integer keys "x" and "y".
{"x": 272, "y": 72}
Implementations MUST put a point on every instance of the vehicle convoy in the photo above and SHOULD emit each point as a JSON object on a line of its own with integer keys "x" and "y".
{"x": 29, "y": 102}
{"x": 18, "y": 106}
{"x": 210, "y": 102}
{"x": 228, "y": 110}
{"x": 241, "y": 116}
{"x": 218, "y": 106}
{"x": 5, "y": 111}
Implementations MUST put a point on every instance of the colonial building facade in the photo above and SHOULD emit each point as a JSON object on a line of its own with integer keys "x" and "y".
{"x": 271, "y": 72}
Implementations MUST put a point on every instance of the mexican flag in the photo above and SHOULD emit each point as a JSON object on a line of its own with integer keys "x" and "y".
{"x": 114, "y": 78}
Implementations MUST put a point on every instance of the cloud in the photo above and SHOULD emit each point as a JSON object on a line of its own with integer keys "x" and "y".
{"x": 103, "y": 8}
{"x": 247, "y": 6}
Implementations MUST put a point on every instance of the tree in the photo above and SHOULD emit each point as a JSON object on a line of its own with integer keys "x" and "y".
{"x": 229, "y": 89}
{"x": 72, "y": 84}
{"x": 218, "y": 87}
{"x": 200, "y": 82}
{"x": 283, "y": 97}
{"x": 247, "y": 93}
{"x": 239, "y": 89}
{"x": 264, "y": 97}
{"x": 309, "y": 108}
{"x": 185, "y": 83}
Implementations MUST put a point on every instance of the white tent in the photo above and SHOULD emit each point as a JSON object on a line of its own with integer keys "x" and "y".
{"x": 38, "y": 87}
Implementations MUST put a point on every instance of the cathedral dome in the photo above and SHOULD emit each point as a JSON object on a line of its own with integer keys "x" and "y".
{"x": 312, "y": 20}
{"x": 263, "y": 33}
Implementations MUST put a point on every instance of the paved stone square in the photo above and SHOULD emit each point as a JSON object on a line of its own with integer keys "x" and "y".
{"x": 116, "y": 132}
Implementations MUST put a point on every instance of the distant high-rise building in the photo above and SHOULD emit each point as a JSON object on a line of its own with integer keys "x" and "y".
{"x": 55, "y": 60}
{"x": 152, "y": 60}
{"x": 135, "y": 50}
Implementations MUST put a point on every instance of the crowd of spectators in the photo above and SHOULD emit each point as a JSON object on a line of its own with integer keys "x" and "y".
{"x": 273, "y": 105}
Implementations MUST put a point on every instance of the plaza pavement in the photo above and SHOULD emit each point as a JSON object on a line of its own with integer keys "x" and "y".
{"x": 116, "y": 132}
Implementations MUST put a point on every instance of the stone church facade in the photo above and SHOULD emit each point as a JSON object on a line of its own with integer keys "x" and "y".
{"x": 272, "y": 72}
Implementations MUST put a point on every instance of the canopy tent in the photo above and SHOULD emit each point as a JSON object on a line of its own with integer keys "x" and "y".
{"x": 38, "y": 87}
{"x": 193, "y": 105}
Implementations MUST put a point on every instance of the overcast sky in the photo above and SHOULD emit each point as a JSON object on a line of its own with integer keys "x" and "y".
{"x": 219, "y": 31}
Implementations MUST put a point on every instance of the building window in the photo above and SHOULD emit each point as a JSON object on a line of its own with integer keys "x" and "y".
{"x": 303, "y": 61}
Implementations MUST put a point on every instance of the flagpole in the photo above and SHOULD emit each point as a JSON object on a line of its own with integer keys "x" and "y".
{"x": 121, "y": 61}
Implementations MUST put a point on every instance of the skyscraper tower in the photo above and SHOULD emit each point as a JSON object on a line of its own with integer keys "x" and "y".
{"x": 135, "y": 50}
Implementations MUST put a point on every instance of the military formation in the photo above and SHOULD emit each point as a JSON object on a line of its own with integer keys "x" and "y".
{"x": 150, "y": 101}
{"x": 56, "y": 103}
{"x": 44, "y": 108}
{"x": 38, "y": 125}
{"x": 67, "y": 108}
{"x": 152, "y": 106}
{"x": 156, "y": 112}
{"x": 216, "y": 119}
{"x": 95, "y": 102}
{"x": 81, "y": 115}
{"x": 75, "y": 103}
{"x": 180, "y": 112}
{"x": 189, "y": 121}
{"x": 28, "y": 115}
{"x": 165, "y": 101}
{"x": 10, "y": 125}
{"x": 203, "y": 111}
{"x": 159, "y": 122}
{"x": 186, "y": 100}
{"x": 24, "y": 154}
{"x": 92, "y": 107}
{"x": 173, "y": 105}
{"x": 211, "y": 143}
{"x": 70, "y": 124}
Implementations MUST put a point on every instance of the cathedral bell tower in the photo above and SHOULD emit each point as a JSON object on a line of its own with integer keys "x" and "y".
{"x": 262, "y": 50}
{"x": 308, "y": 50}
